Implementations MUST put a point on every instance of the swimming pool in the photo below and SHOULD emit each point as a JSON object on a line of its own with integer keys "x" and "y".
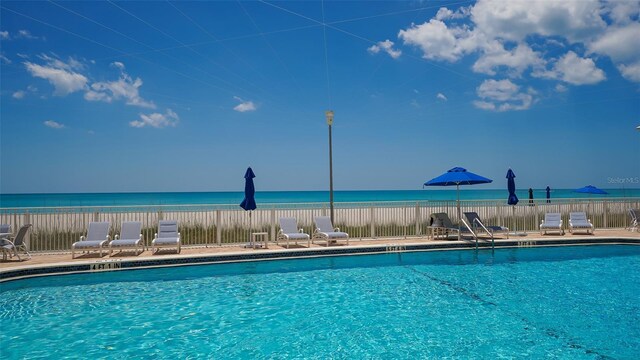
{"x": 578, "y": 302}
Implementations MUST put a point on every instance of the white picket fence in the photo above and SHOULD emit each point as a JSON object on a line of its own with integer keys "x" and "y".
{"x": 55, "y": 229}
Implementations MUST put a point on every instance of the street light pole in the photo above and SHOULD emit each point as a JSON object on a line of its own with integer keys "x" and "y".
{"x": 329, "y": 115}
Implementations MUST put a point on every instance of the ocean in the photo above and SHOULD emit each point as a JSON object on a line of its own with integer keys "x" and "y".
{"x": 268, "y": 197}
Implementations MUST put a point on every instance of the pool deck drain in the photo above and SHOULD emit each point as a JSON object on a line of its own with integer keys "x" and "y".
{"x": 61, "y": 263}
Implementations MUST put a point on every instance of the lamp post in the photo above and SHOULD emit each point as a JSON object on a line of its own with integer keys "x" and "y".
{"x": 329, "y": 115}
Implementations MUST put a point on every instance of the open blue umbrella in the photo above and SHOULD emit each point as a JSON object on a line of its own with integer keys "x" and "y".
{"x": 457, "y": 176}
{"x": 511, "y": 186}
{"x": 589, "y": 189}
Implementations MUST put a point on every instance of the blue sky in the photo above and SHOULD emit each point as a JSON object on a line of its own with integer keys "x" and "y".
{"x": 183, "y": 96}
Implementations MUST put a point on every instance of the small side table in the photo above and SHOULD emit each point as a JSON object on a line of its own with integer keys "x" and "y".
{"x": 260, "y": 235}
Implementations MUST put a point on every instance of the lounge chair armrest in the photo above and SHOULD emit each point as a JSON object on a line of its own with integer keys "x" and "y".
{"x": 316, "y": 230}
{"x": 116, "y": 237}
{"x": 336, "y": 229}
{"x": 82, "y": 238}
{"x": 280, "y": 232}
{"x": 301, "y": 231}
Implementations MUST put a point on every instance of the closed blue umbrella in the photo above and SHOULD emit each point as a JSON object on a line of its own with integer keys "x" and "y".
{"x": 589, "y": 189}
{"x": 249, "y": 201}
{"x": 511, "y": 186}
{"x": 457, "y": 176}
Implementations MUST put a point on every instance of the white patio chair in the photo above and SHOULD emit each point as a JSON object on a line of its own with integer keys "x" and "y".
{"x": 96, "y": 239}
{"x": 579, "y": 221}
{"x": 289, "y": 231}
{"x": 326, "y": 232}
{"x": 167, "y": 236}
{"x": 551, "y": 222}
{"x": 130, "y": 237}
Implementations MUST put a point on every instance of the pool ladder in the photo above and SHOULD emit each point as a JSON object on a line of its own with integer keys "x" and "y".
{"x": 477, "y": 221}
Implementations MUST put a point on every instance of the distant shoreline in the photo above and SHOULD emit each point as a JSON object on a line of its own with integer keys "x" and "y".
{"x": 315, "y": 196}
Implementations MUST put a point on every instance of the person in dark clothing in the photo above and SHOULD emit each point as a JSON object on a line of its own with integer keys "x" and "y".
{"x": 548, "y": 194}
{"x": 531, "y": 196}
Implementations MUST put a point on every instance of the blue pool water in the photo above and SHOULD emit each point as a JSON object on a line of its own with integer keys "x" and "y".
{"x": 564, "y": 303}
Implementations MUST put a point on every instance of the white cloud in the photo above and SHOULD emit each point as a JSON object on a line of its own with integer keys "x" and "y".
{"x": 617, "y": 43}
{"x": 25, "y": 34}
{"x": 621, "y": 12}
{"x": 125, "y": 88}
{"x": 386, "y": 46}
{"x": 65, "y": 82}
{"x": 439, "y": 42}
{"x": 118, "y": 64}
{"x": 4, "y": 59}
{"x": 561, "y": 88}
{"x": 517, "y": 59}
{"x": 4, "y": 35}
{"x": 156, "y": 120}
{"x": 20, "y": 94}
{"x": 503, "y": 95}
{"x": 54, "y": 125}
{"x": 574, "y": 70}
{"x": 446, "y": 14}
{"x": 244, "y": 106}
{"x": 415, "y": 103}
{"x": 441, "y": 97}
{"x": 630, "y": 71}
{"x": 576, "y": 20}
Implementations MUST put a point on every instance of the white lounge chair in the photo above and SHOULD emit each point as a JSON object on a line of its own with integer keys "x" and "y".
{"x": 326, "y": 232}
{"x": 289, "y": 231}
{"x": 97, "y": 237}
{"x": 130, "y": 238}
{"x": 551, "y": 222}
{"x": 167, "y": 236}
{"x": 11, "y": 245}
{"x": 579, "y": 221}
{"x": 479, "y": 225}
{"x": 634, "y": 223}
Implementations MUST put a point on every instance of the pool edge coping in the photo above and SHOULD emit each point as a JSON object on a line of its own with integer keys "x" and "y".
{"x": 120, "y": 264}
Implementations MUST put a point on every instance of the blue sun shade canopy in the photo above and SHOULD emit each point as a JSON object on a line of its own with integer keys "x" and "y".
{"x": 457, "y": 176}
{"x": 589, "y": 189}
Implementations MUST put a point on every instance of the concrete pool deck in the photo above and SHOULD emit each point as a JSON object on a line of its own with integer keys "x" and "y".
{"x": 57, "y": 263}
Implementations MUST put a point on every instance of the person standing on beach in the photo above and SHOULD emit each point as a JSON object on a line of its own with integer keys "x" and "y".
{"x": 548, "y": 194}
{"x": 530, "y": 196}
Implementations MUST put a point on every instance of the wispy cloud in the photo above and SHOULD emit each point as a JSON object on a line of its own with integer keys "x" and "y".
{"x": 64, "y": 81}
{"x": 441, "y": 96}
{"x": 387, "y": 47}
{"x": 53, "y": 124}
{"x": 503, "y": 95}
{"x": 157, "y": 120}
{"x": 20, "y": 94}
{"x": 21, "y": 34}
{"x": 125, "y": 88}
{"x": 4, "y": 59}
{"x": 244, "y": 106}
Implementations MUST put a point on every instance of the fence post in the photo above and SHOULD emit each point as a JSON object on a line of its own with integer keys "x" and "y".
{"x": 27, "y": 220}
{"x": 218, "y": 228}
{"x": 372, "y": 219}
{"x": 96, "y": 216}
{"x": 417, "y": 218}
{"x": 535, "y": 208}
{"x": 605, "y": 210}
{"x": 273, "y": 224}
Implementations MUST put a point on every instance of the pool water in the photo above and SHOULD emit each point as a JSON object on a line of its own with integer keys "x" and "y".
{"x": 566, "y": 302}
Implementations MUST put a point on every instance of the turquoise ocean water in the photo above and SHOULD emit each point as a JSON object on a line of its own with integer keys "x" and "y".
{"x": 180, "y": 198}
{"x": 547, "y": 303}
